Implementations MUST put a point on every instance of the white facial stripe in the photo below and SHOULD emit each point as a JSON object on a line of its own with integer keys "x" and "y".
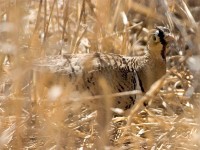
{"x": 157, "y": 32}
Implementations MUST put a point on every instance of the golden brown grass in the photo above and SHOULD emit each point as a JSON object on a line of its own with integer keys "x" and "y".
{"x": 29, "y": 119}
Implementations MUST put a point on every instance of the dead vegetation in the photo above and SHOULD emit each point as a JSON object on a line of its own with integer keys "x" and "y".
{"x": 34, "y": 117}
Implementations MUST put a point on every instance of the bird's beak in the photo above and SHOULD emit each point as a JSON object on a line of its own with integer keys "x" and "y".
{"x": 169, "y": 37}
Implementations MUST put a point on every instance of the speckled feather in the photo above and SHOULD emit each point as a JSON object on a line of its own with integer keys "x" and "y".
{"x": 78, "y": 63}
{"x": 119, "y": 72}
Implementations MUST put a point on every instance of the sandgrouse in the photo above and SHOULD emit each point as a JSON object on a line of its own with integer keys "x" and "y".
{"x": 122, "y": 73}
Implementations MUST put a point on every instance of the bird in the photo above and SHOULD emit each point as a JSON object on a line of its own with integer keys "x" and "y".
{"x": 121, "y": 73}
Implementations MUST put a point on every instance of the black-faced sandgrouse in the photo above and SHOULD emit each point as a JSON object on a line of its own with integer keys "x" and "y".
{"x": 121, "y": 73}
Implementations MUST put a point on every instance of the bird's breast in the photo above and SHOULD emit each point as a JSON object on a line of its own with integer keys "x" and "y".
{"x": 150, "y": 73}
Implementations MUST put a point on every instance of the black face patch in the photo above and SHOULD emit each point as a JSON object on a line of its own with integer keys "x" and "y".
{"x": 161, "y": 35}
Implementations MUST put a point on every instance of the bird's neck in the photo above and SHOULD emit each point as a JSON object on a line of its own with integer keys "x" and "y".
{"x": 154, "y": 69}
{"x": 157, "y": 52}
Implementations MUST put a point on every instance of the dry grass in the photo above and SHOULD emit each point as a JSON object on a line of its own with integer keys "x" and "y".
{"x": 29, "y": 119}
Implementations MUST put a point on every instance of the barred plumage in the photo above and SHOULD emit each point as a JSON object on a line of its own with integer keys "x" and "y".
{"x": 122, "y": 73}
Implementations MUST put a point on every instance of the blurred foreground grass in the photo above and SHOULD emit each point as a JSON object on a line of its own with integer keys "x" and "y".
{"x": 31, "y": 119}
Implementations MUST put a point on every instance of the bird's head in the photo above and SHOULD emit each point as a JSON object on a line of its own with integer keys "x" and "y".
{"x": 158, "y": 40}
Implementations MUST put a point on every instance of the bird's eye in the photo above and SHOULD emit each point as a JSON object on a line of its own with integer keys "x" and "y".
{"x": 155, "y": 38}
